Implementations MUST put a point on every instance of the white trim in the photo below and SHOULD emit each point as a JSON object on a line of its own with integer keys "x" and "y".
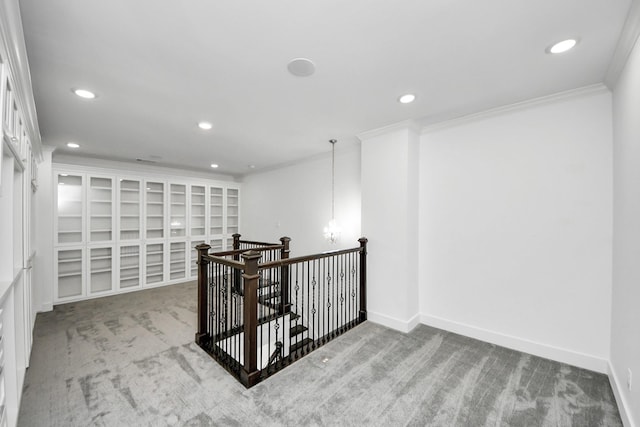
{"x": 406, "y": 124}
{"x": 12, "y": 44}
{"x": 45, "y": 307}
{"x": 626, "y": 43}
{"x": 558, "y": 354}
{"x": 623, "y": 404}
{"x": 90, "y": 164}
{"x": 344, "y": 147}
{"x": 393, "y": 323}
{"x": 518, "y": 106}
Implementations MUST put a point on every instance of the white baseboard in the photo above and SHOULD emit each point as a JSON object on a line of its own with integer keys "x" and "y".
{"x": 393, "y": 323}
{"x": 45, "y": 306}
{"x": 623, "y": 404}
{"x": 558, "y": 354}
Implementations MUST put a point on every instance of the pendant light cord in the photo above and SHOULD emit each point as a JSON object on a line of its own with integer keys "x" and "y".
{"x": 333, "y": 178}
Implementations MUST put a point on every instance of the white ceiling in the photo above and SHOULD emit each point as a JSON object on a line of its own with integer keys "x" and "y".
{"x": 160, "y": 66}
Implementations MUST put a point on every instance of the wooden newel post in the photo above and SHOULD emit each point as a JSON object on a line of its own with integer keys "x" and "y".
{"x": 250, "y": 373}
{"x": 285, "y": 306}
{"x": 363, "y": 278}
{"x": 236, "y": 245}
{"x": 202, "y": 335}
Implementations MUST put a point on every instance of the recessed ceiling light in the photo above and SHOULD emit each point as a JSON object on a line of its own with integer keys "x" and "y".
{"x": 72, "y": 145}
{"x": 301, "y": 67}
{"x": 407, "y": 98}
{"x": 83, "y": 93}
{"x": 562, "y": 46}
{"x": 213, "y": 165}
{"x": 205, "y": 125}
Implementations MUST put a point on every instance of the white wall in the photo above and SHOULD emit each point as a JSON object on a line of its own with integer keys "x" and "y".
{"x": 390, "y": 222}
{"x": 295, "y": 201}
{"x": 516, "y": 228}
{"x": 43, "y": 269}
{"x": 625, "y": 319}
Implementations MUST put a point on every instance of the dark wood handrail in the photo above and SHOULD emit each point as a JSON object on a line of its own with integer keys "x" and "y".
{"x": 250, "y": 242}
{"x": 241, "y": 251}
{"x": 289, "y": 261}
{"x": 224, "y": 261}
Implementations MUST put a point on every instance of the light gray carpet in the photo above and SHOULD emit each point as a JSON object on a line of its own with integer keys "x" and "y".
{"x": 130, "y": 360}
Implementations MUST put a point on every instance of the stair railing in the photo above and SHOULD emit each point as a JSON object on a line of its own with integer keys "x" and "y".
{"x": 283, "y": 308}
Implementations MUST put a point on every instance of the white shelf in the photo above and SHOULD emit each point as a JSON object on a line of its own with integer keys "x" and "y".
{"x": 77, "y": 273}
{"x": 66, "y": 261}
{"x": 155, "y": 264}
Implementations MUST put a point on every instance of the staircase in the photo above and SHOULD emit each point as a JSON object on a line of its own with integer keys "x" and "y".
{"x": 272, "y": 312}
{"x": 256, "y": 318}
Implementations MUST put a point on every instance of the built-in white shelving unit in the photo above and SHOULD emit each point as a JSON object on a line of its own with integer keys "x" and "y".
{"x": 69, "y": 271}
{"x": 100, "y": 270}
{"x": 178, "y": 210}
{"x": 130, "y": 267}
{"x": 70, "y": 209}
{"x": 177, "y": 261}
{"x": 130, "y": 209}
{"x": 155, "y": 263}
{"x": 118, "y": 232}
{"x": 232, "y": 210}
{"x": 100, "y": 203}
{"x": 155, "y": 197}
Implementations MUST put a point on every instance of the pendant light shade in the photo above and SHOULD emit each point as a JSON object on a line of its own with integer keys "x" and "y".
{"x": 332, "y": 230}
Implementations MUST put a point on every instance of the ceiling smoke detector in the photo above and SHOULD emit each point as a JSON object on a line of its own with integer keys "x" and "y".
{"x": 301, "y": 67}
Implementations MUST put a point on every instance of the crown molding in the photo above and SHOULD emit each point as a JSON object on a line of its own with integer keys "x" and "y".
{"x": 406, "y": 124}
{"x": 627, "y": 41}
{"x": 341, "y": 149}
{"x": 598, "y": 88}
{"x": 14, "y": 52}
{"x": 88, "y": 163}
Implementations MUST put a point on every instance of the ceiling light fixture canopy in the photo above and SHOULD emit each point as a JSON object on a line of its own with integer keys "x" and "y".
{"x": 563, "y": 46}
{"x": 407, "y": 98}
{"x": 332, "y": 230}
{"x": 83, "y": 93}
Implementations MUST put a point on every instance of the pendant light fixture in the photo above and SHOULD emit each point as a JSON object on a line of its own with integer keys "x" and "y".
{"x": 332, "y": 230}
